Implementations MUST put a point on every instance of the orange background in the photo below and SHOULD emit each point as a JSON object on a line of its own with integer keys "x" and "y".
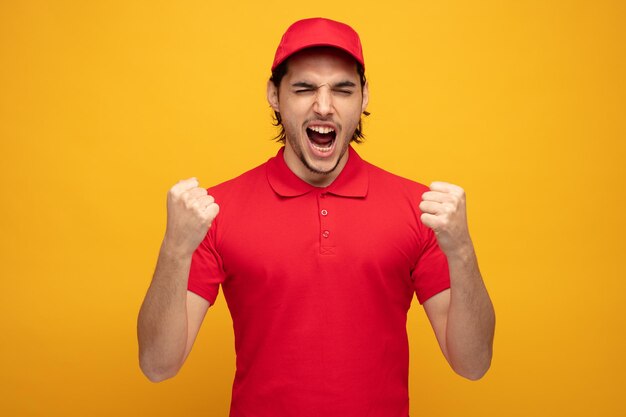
{"x": 104, "y": 105}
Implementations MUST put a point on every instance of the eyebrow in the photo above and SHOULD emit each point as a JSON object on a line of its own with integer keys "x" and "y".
{"x": 342, "y": 84}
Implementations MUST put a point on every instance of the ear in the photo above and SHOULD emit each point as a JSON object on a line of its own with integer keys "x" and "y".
{"x": 272, "y": 95}
{"x": 366, "y": 96}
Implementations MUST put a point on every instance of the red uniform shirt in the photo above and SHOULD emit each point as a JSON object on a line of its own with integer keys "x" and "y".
{"x": 318, "y": 282}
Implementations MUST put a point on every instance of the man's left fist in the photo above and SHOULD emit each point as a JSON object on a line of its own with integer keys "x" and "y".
{"x": 443, "y": 210}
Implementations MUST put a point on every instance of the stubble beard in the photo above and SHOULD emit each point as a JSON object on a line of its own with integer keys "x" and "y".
{"x": 301, "y": 155}
{"x": 327, "y": 172}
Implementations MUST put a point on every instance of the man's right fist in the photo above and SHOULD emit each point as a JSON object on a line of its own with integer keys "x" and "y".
{"x": 190, "y": 212}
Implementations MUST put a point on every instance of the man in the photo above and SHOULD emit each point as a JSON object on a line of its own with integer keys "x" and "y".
{"x": 319, "y": 254}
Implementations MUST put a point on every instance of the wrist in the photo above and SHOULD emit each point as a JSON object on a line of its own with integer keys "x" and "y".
{"x": 461, "y": 253}
{"x": 175, "y": 251}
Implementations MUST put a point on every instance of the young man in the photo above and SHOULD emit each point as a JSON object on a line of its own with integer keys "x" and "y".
{"x": 319, "y": 254}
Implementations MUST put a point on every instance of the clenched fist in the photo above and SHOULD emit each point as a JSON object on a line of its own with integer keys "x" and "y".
{"x": 443, "y": 210}
{"x": 190, "y": 212}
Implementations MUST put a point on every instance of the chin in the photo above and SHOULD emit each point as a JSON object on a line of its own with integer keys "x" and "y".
{"x": 324, "y": 169}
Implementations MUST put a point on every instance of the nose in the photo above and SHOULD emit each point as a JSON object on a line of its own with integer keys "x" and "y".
{"x": 323, "y": 105}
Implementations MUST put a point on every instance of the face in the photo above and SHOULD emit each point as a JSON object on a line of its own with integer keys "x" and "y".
{"x": 320, "y": 101}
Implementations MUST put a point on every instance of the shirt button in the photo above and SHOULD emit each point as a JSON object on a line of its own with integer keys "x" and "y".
{"x": 325, "y": 233}
{"x": 324, "y": 212}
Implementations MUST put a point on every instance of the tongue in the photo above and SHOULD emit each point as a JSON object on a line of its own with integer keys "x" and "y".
{"x": 321, "y": 139}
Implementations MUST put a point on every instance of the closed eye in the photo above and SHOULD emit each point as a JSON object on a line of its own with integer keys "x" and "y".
{"x": 345, "y": 88}
{"x": 303, "y": 87}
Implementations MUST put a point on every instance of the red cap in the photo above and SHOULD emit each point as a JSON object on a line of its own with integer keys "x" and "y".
{"x": 318, "y": 31}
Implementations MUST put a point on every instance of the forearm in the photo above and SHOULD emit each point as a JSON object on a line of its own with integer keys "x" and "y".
{"x": 471, "y": 318}
{"x": 162, "y": 322}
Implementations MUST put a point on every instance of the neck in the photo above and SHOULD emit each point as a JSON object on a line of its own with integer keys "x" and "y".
{"x": 303, "y": 170}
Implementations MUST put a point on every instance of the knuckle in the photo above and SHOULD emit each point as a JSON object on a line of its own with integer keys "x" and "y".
{"x": 173, "y": 195}
{"x": 213, "y": 210}
{"x": 174, "y": 189}
{"x": 189, "y": 202}
{"x": 207, "y": 200}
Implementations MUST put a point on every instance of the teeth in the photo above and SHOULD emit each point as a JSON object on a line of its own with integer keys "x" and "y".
{"x": 322, "y": 129}
{"x": 322, "y": 148}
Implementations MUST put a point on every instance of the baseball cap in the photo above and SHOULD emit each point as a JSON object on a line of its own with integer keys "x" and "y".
{"x": 318, "y": 31}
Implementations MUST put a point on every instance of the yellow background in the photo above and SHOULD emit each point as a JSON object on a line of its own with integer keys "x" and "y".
{"x": 105, "y": 104}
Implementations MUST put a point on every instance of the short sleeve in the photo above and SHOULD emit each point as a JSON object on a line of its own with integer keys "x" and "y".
{"x": 207, "y": 271}
{"x": 431, "y": 274}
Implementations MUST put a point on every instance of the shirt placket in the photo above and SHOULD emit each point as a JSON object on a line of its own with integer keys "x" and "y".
{"x": 327, "y": 229}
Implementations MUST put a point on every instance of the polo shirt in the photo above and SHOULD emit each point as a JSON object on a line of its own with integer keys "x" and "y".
{"x": 318, "y": 282}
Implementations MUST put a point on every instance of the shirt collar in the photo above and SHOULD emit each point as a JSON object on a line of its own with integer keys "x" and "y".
{"x": 352, "y": 181}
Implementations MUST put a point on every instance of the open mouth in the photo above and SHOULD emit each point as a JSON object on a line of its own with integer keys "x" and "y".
{"x": 321, "y": 138}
